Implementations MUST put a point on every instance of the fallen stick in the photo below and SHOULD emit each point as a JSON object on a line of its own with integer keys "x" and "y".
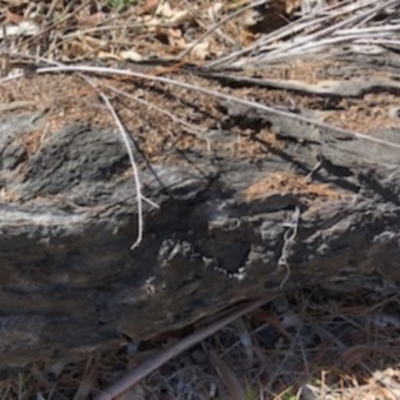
{"x": 164, "y": 356}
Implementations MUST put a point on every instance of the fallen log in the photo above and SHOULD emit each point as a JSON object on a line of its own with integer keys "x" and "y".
{"x": 319, "y": 208}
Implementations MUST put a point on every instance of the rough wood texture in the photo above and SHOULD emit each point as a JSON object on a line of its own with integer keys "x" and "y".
{"x": 318, "y": 208}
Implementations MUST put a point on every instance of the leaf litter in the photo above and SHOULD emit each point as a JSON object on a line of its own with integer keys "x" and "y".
{"x": 314, "y": 343}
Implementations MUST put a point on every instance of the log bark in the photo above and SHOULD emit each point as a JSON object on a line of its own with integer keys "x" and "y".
{"x": 321, "y": 208}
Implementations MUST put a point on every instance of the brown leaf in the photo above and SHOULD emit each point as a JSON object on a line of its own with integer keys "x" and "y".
{"x": 23, "y": 28}
{"x": 291, "y": 6}
{"x": 150, "y": 7}
{"x": 232, "y": 384}
{"x": 273, "y": 320}
{"x": 131, "y": 55}
{"x": 200, "y": 51}
{"x": 93, "y": 19}
{"x": 134, "y": 393}
{"x": 13, "y": 17}
{"x": 16, "y": 3}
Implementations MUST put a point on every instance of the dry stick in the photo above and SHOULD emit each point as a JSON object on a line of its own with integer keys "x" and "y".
{"x": 152, "y": 363}
{"x": 301, "y": 43}
{"x": 327, "y": 31}
{"x": 288, "y": 30}
{"x": 370, "y": 29}
{"x": 314, "y": 46}
{"x": 97, "y": 29}
{"x": 219, "y": 24}
{"x": 339, "y": 37}
{"x": 383, "y": 42}
{"x": 209, "y": 92}
{"x": 275, "y": 36}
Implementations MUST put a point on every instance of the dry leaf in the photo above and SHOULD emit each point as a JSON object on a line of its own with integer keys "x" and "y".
{"x": 133, "y": 393}
{"x": 130, "y": 55}
{"x": 16, "y": 3}
{"x": 93, "y": 19}
{"x": 292, "y": 5}
{"x": 86, "y": 382}
{"x": 273, "y": 320}
{"x": 152, "y": 23}
{"x": 179, "y": 17}
{"x": 82, "y": 46}
{"x": 74, "y": 49}
{"x": 232, "y": 384}
{"x": 200, "y": 51}
{"x": 234, "y": 5}
{"x": 107, "y": 56}
{"x": 164, "y": 14}
{"x": 164, "y": 10}
{"x": 214, "y": 9}
{"x": 176, "y": 39}
{"x": 249, "y": 18}
{"x": 12, "y": 17}
{"x": 92, "y": 43}
{"x": 24, "y": 28}
{"x": 151, "y": 6}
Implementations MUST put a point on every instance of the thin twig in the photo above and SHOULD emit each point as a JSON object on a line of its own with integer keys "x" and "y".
{"x": 139, "y": 196}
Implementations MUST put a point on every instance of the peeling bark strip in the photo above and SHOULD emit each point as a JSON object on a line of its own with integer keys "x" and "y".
{"x": 312, "y": 207}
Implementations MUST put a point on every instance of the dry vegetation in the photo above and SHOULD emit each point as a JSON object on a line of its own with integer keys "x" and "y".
{"x": 316, "y": 343}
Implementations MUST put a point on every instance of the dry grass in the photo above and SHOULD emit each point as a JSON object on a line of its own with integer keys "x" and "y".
{"x": 311, "y": 344}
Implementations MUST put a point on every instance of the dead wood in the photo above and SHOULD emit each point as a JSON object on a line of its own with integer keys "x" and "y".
{"x": 312, "y": 207}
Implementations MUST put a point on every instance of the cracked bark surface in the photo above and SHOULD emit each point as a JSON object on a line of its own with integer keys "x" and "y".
{"x": 70, "y": 283}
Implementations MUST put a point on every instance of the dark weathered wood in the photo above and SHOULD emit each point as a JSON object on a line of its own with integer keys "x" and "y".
{"x": 69, "y": 281}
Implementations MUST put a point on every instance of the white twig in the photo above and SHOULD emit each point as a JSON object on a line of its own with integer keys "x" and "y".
{"x": 127, "y": 143}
